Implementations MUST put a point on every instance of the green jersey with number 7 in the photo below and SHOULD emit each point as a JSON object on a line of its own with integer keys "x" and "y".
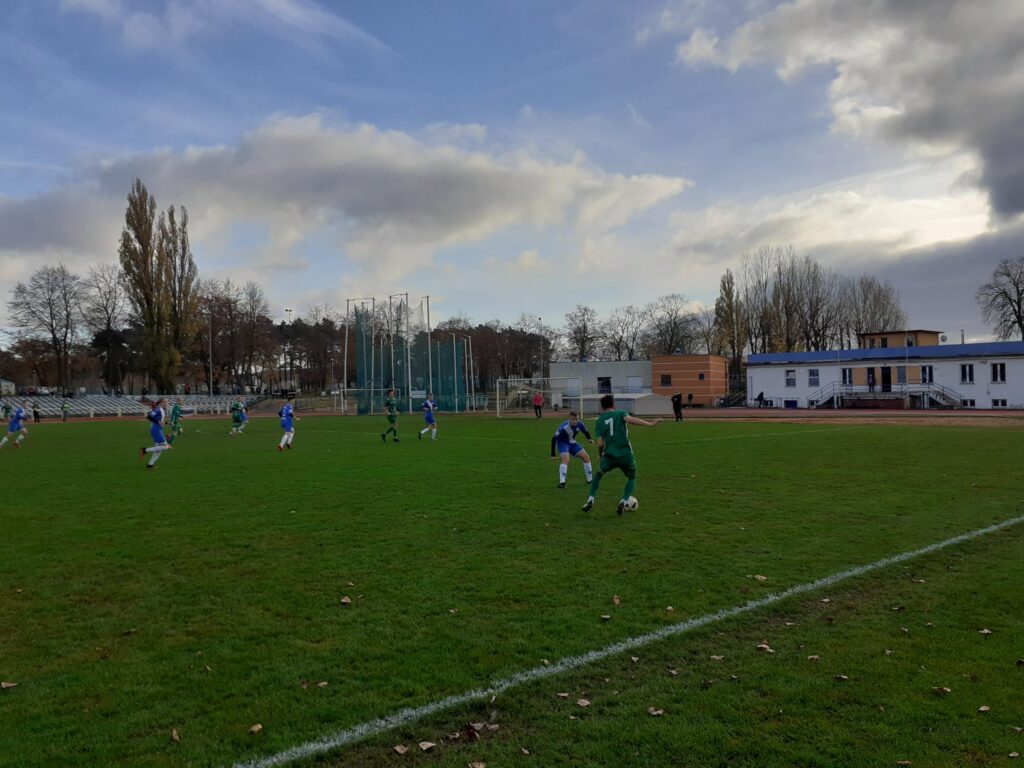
{"x": 611, "y": 425}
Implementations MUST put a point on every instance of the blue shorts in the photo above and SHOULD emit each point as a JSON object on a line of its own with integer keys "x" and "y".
{"x": 428, "y": 417}
{"x": 572, "y": 448}
{"x": 287, "y": 425}
{"x": 14, "y": 426}
{"x": 157, "y": 433}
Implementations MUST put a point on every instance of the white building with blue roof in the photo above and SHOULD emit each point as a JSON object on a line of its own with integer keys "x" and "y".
{"x": 902, "y": 369}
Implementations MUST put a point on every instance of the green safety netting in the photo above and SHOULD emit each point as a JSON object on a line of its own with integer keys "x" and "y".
{"x": 394, "y": 350}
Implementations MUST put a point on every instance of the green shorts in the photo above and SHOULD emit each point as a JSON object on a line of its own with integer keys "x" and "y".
{"x": 392, "y": 418}
{"x": 626, "y": 463}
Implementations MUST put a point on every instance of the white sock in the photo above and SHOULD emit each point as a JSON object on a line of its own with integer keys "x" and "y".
{"x": 589, "y": 469}
{"x": 424, "y": 430}
{"x": 563, "y": 469}
{"x": 433, "y": 434}
{"x": 156, "y": 451}
{"x": 291, "y": 436}
{"x": 284, "y": 439}
{"x": 4, "y": 441}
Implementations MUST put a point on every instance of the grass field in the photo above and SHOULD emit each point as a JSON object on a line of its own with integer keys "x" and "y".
{"x": 205, "y": 597}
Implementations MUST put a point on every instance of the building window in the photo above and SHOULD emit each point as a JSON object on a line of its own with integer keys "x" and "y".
{"x": 848, "y": 377}
{"x": 813, "y": 378}
{"x": 966, "y": 373}
{"x": 998, "y": 403}
{"x": 901, "y": 374}
{"x": 666, "y": 379}
{"x": 966, "y": 403}
{"x": 884, "y": 342}
{"x": 791, "y": 377}
{"x": 910, "y": 341}
{"x": 927, "y": 374}
{"x": 998, "y": 373}
{"x": 604, "y": 384}
{"x": 871, "y": 343}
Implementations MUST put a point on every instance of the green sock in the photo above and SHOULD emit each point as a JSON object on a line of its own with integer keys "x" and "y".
{"x": 630, "y": 485}
{"x": 595, "y": 483}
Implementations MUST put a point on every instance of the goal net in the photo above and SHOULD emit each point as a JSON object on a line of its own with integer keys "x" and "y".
{"x": 517, "y": 397}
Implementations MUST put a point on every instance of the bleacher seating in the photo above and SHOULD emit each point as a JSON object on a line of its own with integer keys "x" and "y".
{"x": 126, "y": 405}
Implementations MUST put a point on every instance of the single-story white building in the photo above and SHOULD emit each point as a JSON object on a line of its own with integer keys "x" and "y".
{"x": 986, "y": 375}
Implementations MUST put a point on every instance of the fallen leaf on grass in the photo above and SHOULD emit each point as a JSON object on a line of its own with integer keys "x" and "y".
{"x": 814, "y": 658}
{"x": 454, "y": 736}
{"x": 256, "y": 728}
{"x": 525, "y": 751}
{"x": 322, "y": 684}
{"x": 985, "y": 632}
{"x": 478, "y": 765}
{"x": 826, "y": 600}
{"x": 346, "y": 600}
{"x": 1018, "y": 729}
{"x": 426, "y": 746}
{"x": 400, "y": 748}
{"x": 582, "y": 703}
{"x": 616, "y": 600}
{"x": 905, "y": 630}
{"x": 707, "y": 683}
{"x": 1013, "y": 755}
{"x": 918, "y": 581}
{"x": 984, "y": 709}
{"x": 765, "y": 648}
{"x": 174, "y": 735}
{"x": 655, "y": 712}
{"x": 6, "y": 686}
{"x": 669, "y": 608}
{"x": 562, "y": 695}
{"x": 841, "y": 678}
{"x": 717, "y": 658}
{"x": 606, "y": 617}
{"x": 493, "y": 727}
{"x": 477, "y": 726}
{"x": 759, "y": 577}
{"x": 942, "y": 691}
{"x": 903, "y": 762}
{"x": 673, "y": 672}
{"x": 898, "y": 608}
{"x": 888, "y": 652}
{"x": 634, "y": 659}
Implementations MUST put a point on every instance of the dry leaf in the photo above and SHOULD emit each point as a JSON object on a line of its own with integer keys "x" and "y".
{"x": 790, "y": 623}
{"x": 478, "y": 765}
{"x": 673, "y": 672}
{"x": 256, "y": 728}
{"x": 493, "y": 727}
{"x": 841, "y": 678}
{"x": 174, "y": 735}
{"x": 765, "y": 648}
{"x": 606, "y": 617}
{"x": 826, "y": 600}
{"x": 814, "y": 658}
{"x": 477, "y": 726}
{"x": 898, "y": 608}
{"x": 7, "y": 686}
{"x": 942, "y": 691}
{"x": 918, "y": 581}
{"x": 616, "y": 600}
{"x": 655, "y": 712}
{"x": 346, "y": 600}
{"x": 634, "y": 659}
{"x": 322, "y": 684}
{"x": 903, "y": 762}
{"x": 707, "y": 683}
{"x": 400, "y": 748}
{"x": 669, "y": 608}
{"x": 454, "y": 736}
{"x": 984, "y": 709}
{"x": 582, "y": 703}
{"x": 759, "y": 577}
{"x": 426, "y": 746}
{"x": 453, "y": 611}
{"x": 717, "y": 658}
{"x": 904, "y": 629}
{"x": 888, "y": 652}
{"x": 525, "y": 751}
{"x": 304, "y": 684}
{"x": 573, "y": 717}
{"x": 985, "y": 632}
{"x": 562, "y": 695}
{"x": 350, "y": 584}
{"x": 1017, "y": 729}
{"x": 1013, "y": 755}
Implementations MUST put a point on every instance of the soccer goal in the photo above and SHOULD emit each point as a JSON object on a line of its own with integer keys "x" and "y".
{"x": 516, "y": 397}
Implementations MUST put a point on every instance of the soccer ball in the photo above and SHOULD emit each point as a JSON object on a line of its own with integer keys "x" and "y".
{"x": 632, "y": 503}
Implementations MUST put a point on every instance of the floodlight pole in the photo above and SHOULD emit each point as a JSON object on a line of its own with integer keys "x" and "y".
{"x": 430, "y": 353}
{"x": 210, "y": 382}
{"x": 455, "y": 371}
{"x": 408, "y": 351}
{"x": 344, "y": 383}
{"x": 472, "y": 371}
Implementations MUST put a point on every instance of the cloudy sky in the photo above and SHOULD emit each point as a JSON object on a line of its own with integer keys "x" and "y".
{"x": 509, "y": 157}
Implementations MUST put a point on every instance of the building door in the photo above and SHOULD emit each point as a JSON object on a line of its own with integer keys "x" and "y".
{"x": 871, "y": 379}
{"x": 886, "y": 379}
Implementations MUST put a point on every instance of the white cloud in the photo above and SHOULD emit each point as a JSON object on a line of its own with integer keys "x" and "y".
{"x": 384, "y": 201}
{"x": 943, "y": 76}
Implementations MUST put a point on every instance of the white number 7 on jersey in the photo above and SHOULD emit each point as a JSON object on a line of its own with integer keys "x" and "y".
{"x": 611, "y": 426}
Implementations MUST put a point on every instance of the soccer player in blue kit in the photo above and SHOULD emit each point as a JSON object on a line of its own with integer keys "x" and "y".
{"x": 429, "y": 420}
{"x": 288, "y": 419}
{"x": 565, "y": 441}
{"x": 16, "y": 424}
{"x": 156, "y": 430}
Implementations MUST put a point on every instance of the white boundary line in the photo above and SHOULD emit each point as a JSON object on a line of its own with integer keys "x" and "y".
{"x": 412, "y": 714}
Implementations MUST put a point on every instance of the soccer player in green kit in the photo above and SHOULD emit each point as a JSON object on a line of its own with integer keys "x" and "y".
{"x": 237, "y": 425}
{"x": 615, "y": 449}
{"x": 391, "y": 406}
{"x": 175, "y": 429}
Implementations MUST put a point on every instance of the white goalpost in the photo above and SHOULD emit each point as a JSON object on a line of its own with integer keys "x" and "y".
{"x": 559, "y": 394}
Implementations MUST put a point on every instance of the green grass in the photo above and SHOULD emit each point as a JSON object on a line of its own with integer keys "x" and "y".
{"x": 200, "y": 596}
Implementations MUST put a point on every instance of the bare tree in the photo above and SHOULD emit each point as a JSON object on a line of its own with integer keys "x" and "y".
{"x": 706, "y": 323}
{"x": 672, "y": 326}
{"x": 48, "y": 308}
{"x": 820, "y": 305}
{"x": 756, "y": 293}
{"x": 874, "y": 306}
{"x": 105, "y": 311}
{"x": 731, "y": 321}
{"x": 1002, "y": 299}
{"x": 582, "y": 333}
{"x": 786, "y": 299}
{"x": 182, "y": 300}
{"x": 624, "y": 332}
